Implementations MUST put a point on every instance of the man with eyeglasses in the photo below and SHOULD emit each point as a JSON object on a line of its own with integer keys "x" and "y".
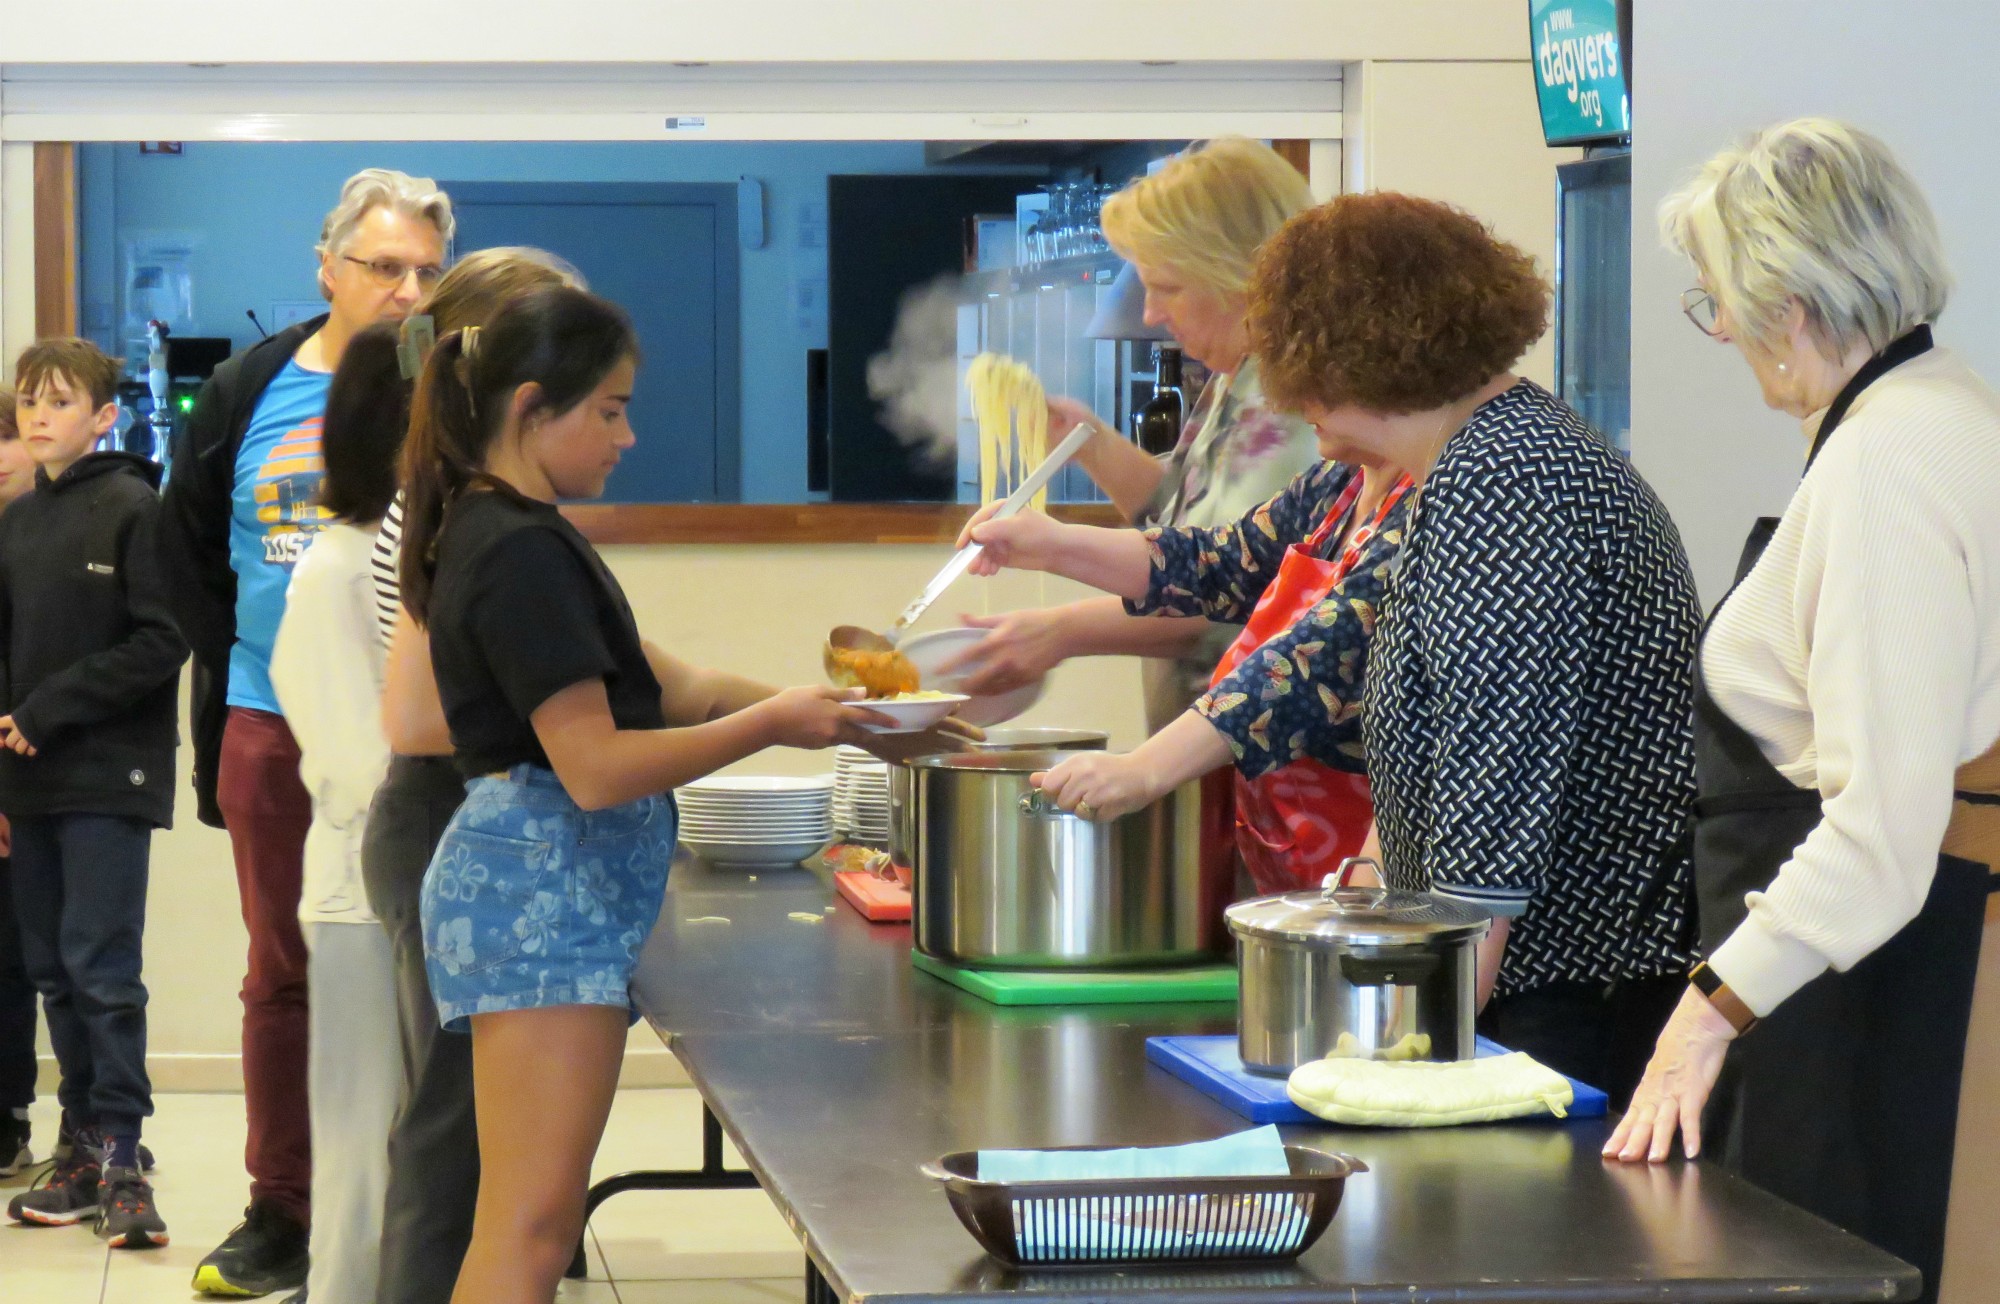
{"x": 240, "y": 507}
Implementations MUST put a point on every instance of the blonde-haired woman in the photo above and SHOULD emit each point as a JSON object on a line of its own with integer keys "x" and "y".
{"x": 1190, "y": 231}
{"x": 1846, "y": 723}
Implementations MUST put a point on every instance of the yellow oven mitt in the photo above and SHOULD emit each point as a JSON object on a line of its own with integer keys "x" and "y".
{"x": 1379, "y": 1093}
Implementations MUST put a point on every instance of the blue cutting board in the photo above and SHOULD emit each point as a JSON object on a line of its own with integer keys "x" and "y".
{"x": 1212, "y": 1066}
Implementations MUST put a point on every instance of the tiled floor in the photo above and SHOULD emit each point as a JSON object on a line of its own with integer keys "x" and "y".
{"x": 646, "y": 1247}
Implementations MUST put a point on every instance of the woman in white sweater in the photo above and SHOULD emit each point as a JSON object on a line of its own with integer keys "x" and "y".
{"x": 1846, "y": 715}
{"x": 327, "y": 667}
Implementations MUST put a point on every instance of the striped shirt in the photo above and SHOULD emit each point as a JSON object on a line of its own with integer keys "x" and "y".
{"x": 382, "y": 570}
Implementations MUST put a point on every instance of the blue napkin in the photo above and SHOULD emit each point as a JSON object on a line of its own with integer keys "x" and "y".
{"x": 1259, "y": 1152}
{"x": 1152, "y": 1227}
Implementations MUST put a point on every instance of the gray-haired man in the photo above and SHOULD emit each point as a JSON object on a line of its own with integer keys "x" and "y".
{"x": 239, "y": 508}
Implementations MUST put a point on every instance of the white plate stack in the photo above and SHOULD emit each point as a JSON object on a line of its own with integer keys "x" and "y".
{"x": 860, "y": 797}
{"x": 756, "y": 820}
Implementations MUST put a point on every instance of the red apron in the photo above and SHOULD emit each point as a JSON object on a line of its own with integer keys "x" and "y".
{"x": 1296, "y": 823}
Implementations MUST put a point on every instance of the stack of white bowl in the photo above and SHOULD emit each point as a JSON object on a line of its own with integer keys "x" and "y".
{"x": 756, "y": 820}
{"x": 860, "y": 797}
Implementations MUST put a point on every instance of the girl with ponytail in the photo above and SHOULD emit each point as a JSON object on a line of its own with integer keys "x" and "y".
{"x": 572, "y": 731}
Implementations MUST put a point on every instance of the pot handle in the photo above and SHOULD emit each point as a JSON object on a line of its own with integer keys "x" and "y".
{"x": 1383, "y": 971}
{"x": 1338, "y": 878}
{"x": 1036, "y": 805}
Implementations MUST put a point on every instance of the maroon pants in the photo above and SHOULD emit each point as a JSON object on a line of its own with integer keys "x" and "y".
{"x": 268, "y": 812}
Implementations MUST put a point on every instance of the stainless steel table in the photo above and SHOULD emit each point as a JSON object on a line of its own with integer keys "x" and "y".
{"x": 836, "y": 1069}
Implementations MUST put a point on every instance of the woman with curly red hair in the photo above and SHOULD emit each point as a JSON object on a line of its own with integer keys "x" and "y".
{"x": 1524, "y": 714}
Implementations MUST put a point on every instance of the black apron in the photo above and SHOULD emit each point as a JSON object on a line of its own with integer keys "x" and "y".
{"x": 1845, "y": 1100}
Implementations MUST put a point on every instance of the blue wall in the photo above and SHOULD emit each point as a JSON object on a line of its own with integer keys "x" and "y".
{"x": 255, "y": 209}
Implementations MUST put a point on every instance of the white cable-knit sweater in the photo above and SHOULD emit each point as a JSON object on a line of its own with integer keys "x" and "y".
{"x": 1863, "y": 654}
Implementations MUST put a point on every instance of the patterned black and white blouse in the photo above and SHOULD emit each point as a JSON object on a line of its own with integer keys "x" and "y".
{"x": 1528, "y": 714}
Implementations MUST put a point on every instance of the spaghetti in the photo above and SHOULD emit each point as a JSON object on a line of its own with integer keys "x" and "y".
{"x": 1013, "y": 416}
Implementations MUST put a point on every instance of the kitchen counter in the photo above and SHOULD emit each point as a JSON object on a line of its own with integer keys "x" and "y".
{"x": 837, "y": 1069}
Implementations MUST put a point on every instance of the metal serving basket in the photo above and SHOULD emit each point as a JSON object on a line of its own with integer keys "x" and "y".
{"x": 1082, "y": 1223}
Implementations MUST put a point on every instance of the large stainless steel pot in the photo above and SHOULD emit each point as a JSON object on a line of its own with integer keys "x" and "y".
{"x": 903, "y": 789}
{"x": 1355, "y": 971}
{"x": 1006, "y": 880}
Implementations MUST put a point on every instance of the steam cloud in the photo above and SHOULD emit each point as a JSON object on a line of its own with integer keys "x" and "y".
{"x": 916, "y": 378}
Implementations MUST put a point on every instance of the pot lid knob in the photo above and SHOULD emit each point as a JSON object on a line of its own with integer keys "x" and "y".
{"x": 1338, "y": 878}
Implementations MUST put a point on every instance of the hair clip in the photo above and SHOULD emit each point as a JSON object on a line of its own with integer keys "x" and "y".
{"x": 468, "y": 342}
{"x": 413, "y": 343}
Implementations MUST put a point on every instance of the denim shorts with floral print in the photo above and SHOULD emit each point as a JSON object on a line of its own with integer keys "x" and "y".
{"x": 532, "y": 901}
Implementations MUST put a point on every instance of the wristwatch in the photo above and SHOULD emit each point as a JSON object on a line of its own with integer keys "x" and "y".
{"x": 1726, "y": 1002}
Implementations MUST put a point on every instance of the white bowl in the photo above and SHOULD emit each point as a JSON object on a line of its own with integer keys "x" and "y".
{"x": 913, "y": 717}
{"x": 929, "y": 651}
{"x": 790, "y": 853}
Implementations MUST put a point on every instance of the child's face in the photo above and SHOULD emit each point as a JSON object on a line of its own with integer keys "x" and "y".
{"x": 59, "y": 425}
{"x": 579, "y": 450}
{"x": 17, "y": 473}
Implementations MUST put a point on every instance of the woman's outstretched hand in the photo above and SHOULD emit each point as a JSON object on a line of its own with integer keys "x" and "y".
{"x": 1026, "y": 541}
{"x": 1670, "y": 1098}
{"x": 1021, "y": 647}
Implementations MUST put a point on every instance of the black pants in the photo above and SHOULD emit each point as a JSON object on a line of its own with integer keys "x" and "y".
{"x": 1600, "y": 1035}
{"x": 17, "y": 1008}
{"x": 434, "y": 1145}
{"x": 80, "y": 891}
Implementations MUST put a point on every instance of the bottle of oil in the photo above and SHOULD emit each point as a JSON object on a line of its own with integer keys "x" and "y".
{"x": 1157, "y": 426}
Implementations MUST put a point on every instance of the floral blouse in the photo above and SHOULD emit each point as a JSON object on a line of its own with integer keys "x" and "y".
{"x": 1234, "y": 454}
{"x": 1299, "y": 695}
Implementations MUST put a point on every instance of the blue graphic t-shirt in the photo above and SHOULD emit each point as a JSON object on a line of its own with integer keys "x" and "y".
{"x": 274, "y": 514}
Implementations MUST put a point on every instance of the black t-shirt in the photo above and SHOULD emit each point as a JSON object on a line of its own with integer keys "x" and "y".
{"x": 522, "y": 608}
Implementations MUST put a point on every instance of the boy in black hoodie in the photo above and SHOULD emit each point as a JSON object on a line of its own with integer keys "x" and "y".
{"x": 89, "y": 662}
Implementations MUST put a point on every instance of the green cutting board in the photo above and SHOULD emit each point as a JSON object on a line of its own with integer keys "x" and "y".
{"x": 1211, "y": 982}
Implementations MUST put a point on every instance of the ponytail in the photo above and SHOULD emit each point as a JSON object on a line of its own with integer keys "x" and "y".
{"x": 562, "y": 340}
{"x": 444, "y": 448}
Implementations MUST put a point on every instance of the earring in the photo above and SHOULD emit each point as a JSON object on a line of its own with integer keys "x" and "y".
{"x": 1783, "y": 367}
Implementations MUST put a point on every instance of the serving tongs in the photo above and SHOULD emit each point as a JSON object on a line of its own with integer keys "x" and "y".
{"x": 861, "y": 658}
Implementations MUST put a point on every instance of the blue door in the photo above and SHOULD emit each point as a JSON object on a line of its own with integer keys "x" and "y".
{"x": 667, "y": 254}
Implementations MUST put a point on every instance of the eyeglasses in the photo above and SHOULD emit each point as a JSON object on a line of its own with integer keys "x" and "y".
{"x": 390, "y": 272}
{"x": 1701, "y": 309}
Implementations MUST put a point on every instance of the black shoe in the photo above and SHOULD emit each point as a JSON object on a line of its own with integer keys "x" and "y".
{"x": 14, "y": 1152}
{"x": 65, "y": 1197}
{"x": 266, "y": 1253}
{"x": 127, "y": 1218}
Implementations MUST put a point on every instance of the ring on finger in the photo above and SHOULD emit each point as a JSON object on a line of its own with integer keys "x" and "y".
{"x": 1083, "y": 809}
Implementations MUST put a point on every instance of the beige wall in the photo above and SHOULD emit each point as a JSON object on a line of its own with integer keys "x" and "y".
{"x": 1467, "y": 133}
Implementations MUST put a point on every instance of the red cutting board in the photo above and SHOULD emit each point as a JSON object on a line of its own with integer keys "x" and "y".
{"x": 879, "y": 900}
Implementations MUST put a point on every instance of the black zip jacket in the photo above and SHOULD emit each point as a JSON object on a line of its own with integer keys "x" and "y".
{"x": 193, "y": 537}
{"x": 92, "y": 655}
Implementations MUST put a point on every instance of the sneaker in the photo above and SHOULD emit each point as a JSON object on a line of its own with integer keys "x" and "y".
{"x": 65, "y": 1197}
{"x": 14, "y": 1152}
{"x": 266, "y": 1253}
{"x": 66, "y": 1145}
{"x": 127, "y": 1218}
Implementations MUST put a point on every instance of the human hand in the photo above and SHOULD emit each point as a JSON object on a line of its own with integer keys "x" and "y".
{"x": 816, "y": 716}
{"x": 1066, "y": 414}
{"x": 6, "y": 837}
{"x": 1680, "y": 1076}
{"x": 1099, "y": 786}
{"x": 11, "y": 736}
{"x": 1022, "y": 647}
{"x": 1027, "y": 540}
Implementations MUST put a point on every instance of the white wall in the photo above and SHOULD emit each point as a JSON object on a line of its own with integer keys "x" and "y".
{"x": 1467, "y": 133}
{"x": 1709, "y": 71}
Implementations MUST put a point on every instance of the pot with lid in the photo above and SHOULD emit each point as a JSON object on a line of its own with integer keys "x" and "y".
{"x": 1363, "y": 972}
